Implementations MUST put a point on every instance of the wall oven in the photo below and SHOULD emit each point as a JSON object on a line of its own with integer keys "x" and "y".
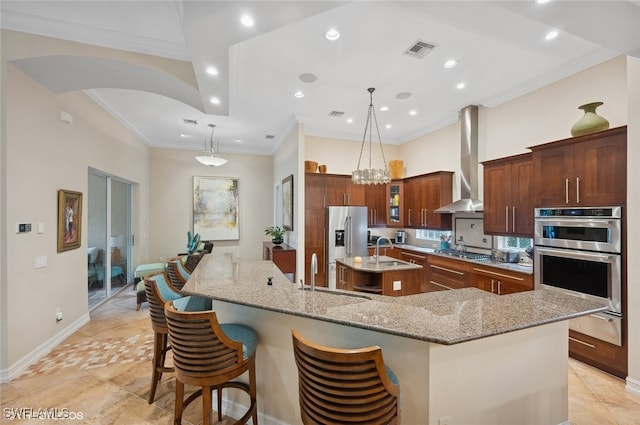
{"x": 579, "y": 251}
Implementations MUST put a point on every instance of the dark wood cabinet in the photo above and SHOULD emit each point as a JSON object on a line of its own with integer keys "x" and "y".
{"x": 376, "y": 202}
{"x": 508, "y": 196}
{"x": 587, "y": 170}
{"x": 421, "y": 260}
{"x": 499, "y": 281}
{"x": 423, "y": 195}
{"x": 282, "y": 255}
{"x": 608, "y": 357}
{"x": 407, "y": 282}
{"x": 339, "y": 190}
{"x": 445, "y": 273}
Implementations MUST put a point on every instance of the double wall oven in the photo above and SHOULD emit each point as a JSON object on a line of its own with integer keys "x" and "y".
{"x": 579, "y": 251}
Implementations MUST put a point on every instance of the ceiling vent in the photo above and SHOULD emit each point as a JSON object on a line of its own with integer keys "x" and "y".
{"x": 419, "y": 49}
{"x": 269, "y": 136}
{"x": 190, "y": 122}
{"x": 336, "y": 114}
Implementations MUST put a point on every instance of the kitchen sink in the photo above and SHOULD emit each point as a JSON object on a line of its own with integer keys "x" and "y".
{"x": 392, "y": 263}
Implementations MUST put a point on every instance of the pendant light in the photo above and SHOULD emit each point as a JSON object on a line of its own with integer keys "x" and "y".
{"x": 210, "y": 157}
{"x": 371, "y": 175}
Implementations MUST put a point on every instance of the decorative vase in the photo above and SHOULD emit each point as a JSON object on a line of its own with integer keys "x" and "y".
{"x": 277, "y": 241}
{"x": 590, "y": 122}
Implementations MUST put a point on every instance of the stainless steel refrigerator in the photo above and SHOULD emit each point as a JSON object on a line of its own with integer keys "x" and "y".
{"x": 346, "y": 236}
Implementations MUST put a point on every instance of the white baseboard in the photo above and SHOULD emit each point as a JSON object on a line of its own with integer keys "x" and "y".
{"x": 236, "y": 410}
{"x": 633, "y": 386}
{"x": 23, "y": 364}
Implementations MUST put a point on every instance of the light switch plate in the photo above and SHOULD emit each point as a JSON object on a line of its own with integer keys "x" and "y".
{"x": 40, "y": 228}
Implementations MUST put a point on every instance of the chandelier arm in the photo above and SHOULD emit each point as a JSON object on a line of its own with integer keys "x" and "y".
{"x": 384, "y": 160}
{"x": 364, "y": 138}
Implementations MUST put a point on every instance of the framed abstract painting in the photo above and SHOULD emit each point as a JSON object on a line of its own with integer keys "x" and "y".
{"x": 69, "y": 219}
{"x": 215, "y": 208}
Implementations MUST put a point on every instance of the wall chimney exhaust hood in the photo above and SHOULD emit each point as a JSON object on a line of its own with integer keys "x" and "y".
{"x": 468, "y": 201}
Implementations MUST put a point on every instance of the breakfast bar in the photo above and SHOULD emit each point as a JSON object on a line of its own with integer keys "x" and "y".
{"x": 461, "y": 356}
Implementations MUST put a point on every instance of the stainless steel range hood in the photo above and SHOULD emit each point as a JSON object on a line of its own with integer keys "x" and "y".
{"x": 468, "y": 201}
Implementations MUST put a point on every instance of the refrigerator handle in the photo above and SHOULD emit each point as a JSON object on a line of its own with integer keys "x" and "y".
{"x": 347, "y": 235}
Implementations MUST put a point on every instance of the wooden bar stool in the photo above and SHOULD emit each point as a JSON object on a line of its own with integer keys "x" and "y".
{"x": 345, "y": 386}
{"x": 159, "y": 291}
{"x": 210, "y": 355}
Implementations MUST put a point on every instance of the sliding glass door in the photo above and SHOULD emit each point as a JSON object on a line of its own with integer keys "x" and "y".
{"x": 109, "y": 236}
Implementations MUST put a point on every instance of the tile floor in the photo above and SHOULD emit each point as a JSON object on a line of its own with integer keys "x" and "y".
{"x": 102, "y": 372}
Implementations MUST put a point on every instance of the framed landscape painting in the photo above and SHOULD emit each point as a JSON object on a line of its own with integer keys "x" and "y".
{"x": 215, "y": 208}
{"x": 69, "y": 219}
{"x": 287, "y": 203}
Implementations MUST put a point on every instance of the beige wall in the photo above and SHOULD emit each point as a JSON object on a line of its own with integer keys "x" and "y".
{"x": 43, "y": 155}
{"x": 171, "y": 202}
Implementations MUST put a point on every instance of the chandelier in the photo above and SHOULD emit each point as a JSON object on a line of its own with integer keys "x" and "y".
{"x": 371, "y": 175}
{"x": 210, "y": 157}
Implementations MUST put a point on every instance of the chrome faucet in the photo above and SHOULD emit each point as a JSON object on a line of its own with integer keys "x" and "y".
{"x": 377, "y": 253}
{"x": 314, "y": 270}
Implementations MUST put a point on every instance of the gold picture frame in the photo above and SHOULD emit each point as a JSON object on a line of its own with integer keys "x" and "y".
{"x": 69, "y": 220}
{"x": 287, "y": 203}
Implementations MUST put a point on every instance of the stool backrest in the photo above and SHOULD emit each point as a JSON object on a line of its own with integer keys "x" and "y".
{"x": 200, "y": 347}
{"x": 176, "y": 272}
{"x": 158, "y": 291}
{"x": 347, "y": 386}
{"x": 193, "y": 260}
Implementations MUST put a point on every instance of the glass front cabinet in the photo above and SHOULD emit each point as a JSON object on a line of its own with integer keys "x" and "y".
{"x": 395, "y": 199}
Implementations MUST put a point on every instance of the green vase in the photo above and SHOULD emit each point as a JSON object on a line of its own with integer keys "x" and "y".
{"x": 590, "y": 122}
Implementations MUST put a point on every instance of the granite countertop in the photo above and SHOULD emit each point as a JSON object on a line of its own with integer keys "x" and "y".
{"x": 444, "y": 317}
{"x": 526, "y": 268}
{"x": 386, "y": 264}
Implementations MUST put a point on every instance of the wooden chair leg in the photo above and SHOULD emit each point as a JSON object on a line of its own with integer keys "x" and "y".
{"x": 252, "y": 391}
{"x": 207, "y": 405}
{"x": 159, "y": 354}
{"x": 177, "y": 411}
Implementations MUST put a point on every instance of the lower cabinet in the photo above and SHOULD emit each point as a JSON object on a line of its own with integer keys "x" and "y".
{"x": 393, "y": 282}
{"x": 598, "y": 353}
{"x": 421, "y": 260}
{"x": 500, "y": 281}
{"x": 446, "y": 274}
{"x": 343, "y": 277}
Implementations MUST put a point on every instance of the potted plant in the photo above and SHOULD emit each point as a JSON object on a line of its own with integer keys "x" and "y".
{"x": 277, "y": 234}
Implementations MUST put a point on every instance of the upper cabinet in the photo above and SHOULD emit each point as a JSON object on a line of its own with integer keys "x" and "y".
{"x": 322, "y": 190}
{"x": 423, "y": 195}
{"x": 376, "y": 202}
{"x": 508, "y": 196}
{"x": 395, "y": 202}
{"x": 587, "y": 170}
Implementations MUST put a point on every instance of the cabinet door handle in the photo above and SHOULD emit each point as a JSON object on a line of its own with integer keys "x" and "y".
{"x": 493, "y": 287}
{"x": 440, "y": 285}
{"x": 566, "y": 191}
{"x": 582, "y": 342}
{"x": 578, "y": 190}
{"x": 446, "y": 270}
{"x": 499, "y": 288}
{"x": 476, "y": 269}
{"x": 506, "y": 218}
{"x": 513, "y": 219}
{"x": 409, "y": 215}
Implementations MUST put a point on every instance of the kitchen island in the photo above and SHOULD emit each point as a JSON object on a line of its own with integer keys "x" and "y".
{"x": 384, "y": 275}
{"x": 463, "y": 356}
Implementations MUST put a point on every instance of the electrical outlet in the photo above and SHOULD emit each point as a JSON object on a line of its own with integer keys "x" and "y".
{"x": 445, "y": 420}
{"x": 397, "y": 285}
{"x": 59, "y": 314}
{"x": 41, "y": 261}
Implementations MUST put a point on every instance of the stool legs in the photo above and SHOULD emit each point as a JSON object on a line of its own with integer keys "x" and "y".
{"x": 159, "y": 354}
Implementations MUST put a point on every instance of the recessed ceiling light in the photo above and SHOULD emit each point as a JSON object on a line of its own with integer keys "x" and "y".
{"x": 184, "y": 135}
{"x": 403, "y": 95}
{"x": 384, "y": 108}
{"x": 413, "y": 112}
{"x": 460, "y": 86}
{"x": 333, "y": 34}
{"x": 239, "y": 141}
{"x": 214, "y": 100}
{"x": 298, "y": 94}
{"x": 542, "y": 1}
{"x": 307, "y": 77}
{"x": 551, "y": 35}
{"x": 349, "y": 120}
{"x": 451, "y": 63}
{"x": 247, "y": 21}
{"x": 387, "y": 126}
{"x": 212, "y": 70}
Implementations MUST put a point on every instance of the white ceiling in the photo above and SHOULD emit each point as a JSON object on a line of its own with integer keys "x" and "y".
{"x": 499, "y": 46}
